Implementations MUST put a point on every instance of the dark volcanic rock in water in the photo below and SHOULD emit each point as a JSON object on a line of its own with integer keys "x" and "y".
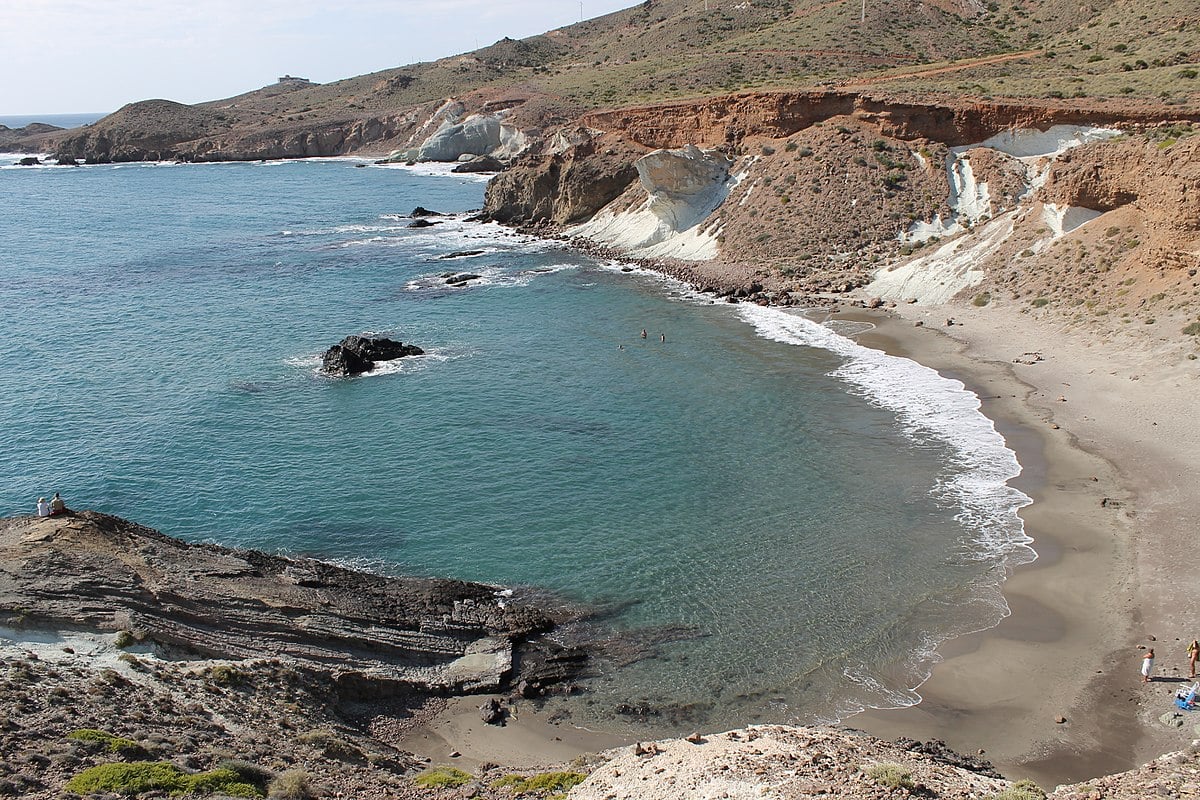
{"x": 461, "y": 278}
{"x": 422, "y": 223}
{"x": 29, "y": 161}
{"x": 421, "y": 211}
{"x": 355, "y": 355}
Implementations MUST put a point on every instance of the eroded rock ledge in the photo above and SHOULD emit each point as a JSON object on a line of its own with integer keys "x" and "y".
{"x": 94, "y": 572}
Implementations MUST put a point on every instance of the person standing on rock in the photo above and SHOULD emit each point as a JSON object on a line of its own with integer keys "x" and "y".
{"x": 1193, "y": 652}
{"x": 57, "y": 506}
{"x": 1147, "y": 665}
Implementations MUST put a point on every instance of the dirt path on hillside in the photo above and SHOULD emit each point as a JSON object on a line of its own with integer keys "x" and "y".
{"x": 924, "y": 73}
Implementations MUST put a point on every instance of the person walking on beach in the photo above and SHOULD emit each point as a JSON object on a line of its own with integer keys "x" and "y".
{"x": 1147, "y": 665}
{"x": 1193, "y": 652}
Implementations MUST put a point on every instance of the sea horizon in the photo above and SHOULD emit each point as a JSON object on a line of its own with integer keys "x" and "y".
{"x": 64, "y": 120}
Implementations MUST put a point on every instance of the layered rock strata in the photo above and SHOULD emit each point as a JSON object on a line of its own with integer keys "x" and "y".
{"x": 94, "y": 572}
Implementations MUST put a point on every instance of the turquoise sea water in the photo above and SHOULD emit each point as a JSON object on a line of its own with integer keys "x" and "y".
{"x": 808, "y": 517}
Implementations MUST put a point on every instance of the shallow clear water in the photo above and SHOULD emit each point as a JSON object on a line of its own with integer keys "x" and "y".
{"x": 807, "y": 517}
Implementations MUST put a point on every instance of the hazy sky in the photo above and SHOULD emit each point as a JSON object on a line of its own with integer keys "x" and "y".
{"x": 66, "y": 56}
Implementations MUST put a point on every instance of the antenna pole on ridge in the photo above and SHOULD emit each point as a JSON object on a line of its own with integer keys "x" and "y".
{"x": 864, "y": 11}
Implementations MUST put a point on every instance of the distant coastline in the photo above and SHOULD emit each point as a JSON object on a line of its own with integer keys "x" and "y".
{"x": 58, "y": 120}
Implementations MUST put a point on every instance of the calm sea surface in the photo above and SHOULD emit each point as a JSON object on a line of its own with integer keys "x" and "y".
{"x": 804, "y": 517}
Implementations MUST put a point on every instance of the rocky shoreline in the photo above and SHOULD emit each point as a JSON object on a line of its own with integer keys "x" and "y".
{"x": 204, "y": 653}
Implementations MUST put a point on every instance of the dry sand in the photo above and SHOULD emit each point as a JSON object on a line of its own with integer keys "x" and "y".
{"x": 1106, "y": 434}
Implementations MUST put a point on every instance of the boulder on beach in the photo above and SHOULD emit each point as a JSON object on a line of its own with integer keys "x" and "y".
{"x": 355, "y": 355}
{"x": 480, "y": 164}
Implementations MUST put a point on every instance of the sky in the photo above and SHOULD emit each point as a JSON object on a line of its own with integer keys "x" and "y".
{"x": 76, "y": 56}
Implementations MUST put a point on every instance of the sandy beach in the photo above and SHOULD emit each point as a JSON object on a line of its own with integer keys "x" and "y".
{"x": 1103, "y": 429}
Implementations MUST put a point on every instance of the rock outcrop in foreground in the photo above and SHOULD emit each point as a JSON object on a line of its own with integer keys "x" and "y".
{"x": 98, "y": 573}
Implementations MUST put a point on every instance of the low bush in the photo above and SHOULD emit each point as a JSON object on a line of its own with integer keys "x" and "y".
{"x": 113, "y": 744}
{"x": 225, "y": 675}
{"x": 294, "y": 784}
{"x": 140, "y": 777}
{"x": 543, "y": 782}
{"x": 892, "y": 776}
{"x": 1193, "y": 329}
{"x": 442, "y": 778}
{"x": 1021, "y": 790}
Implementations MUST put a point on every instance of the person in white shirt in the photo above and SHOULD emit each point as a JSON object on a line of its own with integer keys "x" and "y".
{"x": 43, "y": 508}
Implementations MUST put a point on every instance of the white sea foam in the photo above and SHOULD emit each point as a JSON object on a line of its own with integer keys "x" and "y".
{"x": 929, "y": 407}
{"x": 439, "y": 169}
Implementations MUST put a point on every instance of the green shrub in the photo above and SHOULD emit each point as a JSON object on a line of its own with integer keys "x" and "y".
{"x": 442, "y": 778}
{"x": 1021, "y": 790}
{"x": 1186, "y": 73}
{"x": 892, "y": 776}
{"x": 982, "y": 299}
{"x": 294, "y": 784}
{"x": 124, "y": 639}
{"x": 219, "y": 781}
{"x": 1039, "y": 302}
{"x": 140, "y": 777}
{"x": 543, "y": 782}
{"x": 225, "y": 675}
{"x": 113, "y": 744}
{"x": 1192, "y": 329}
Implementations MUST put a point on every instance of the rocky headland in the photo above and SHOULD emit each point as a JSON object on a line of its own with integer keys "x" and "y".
{"x": 200, "y": 653}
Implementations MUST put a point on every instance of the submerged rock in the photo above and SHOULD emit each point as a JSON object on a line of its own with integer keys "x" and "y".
{"x": 355, "y": 355}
